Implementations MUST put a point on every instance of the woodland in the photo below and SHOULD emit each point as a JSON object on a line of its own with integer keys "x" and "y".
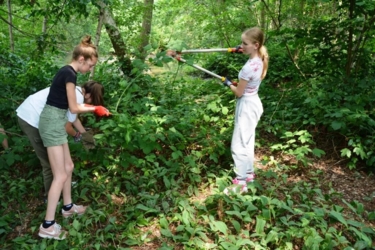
{"x": 156, "y": 176}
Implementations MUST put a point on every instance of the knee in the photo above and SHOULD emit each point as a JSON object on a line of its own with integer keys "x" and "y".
{"x": 69, "y": 168}
{"x": 61, "y": 178}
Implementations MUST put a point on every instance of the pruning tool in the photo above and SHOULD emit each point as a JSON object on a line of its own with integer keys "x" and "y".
{"x": 177, "y": 55}
{"x": 237, "y": 49}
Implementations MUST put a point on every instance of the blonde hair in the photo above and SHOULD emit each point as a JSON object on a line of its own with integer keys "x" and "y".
{"x": 256, "y": 35}
{"x": 86, "y": 49}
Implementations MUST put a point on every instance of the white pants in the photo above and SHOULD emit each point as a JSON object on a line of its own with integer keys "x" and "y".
{"x": 248, "y": 112}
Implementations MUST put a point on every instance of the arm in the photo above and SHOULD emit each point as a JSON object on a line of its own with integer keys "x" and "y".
{"x": 74, "y": 107}
{"x": 69, "y": 129}
{"x": 78, "y": 125}
{"x": 240, "y": 89}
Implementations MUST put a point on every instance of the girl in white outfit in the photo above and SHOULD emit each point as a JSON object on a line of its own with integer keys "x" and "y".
{"x": 248, "y": 108}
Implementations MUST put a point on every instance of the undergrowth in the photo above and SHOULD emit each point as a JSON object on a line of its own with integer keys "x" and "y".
{"x": 156, "y": 177}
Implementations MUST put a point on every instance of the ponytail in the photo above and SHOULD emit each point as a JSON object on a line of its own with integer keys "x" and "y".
{"x": 264, "y": 56}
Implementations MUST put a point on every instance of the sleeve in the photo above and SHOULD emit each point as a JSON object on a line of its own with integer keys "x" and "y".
{"x": 72, "y": 77}
{"x": 80, "y": 100}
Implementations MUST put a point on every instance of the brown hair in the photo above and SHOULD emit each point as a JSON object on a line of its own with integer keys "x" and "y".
{"x": 86, "y": 49}
{"x": 96, "y": 90}
{"x": 256, "y": 35}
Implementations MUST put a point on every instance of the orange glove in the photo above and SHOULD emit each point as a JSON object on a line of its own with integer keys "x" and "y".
{"x": 101, "y": 111}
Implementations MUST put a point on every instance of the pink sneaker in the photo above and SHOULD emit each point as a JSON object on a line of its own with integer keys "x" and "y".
{"x": 79, "y": 210}
{"x": 53, "y": 232}
{"x": 250, "y": 177}
{"x": 238, "y": 187}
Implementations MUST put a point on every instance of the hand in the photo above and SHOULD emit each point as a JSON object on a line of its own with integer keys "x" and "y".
{"x": 77, "y": 137}
{"x": 227, "y": 82}
{"x": 101, "y": 111}
{"x": 88, "y": 140}
{"x": 171, "y": 53}
{"x": 238, "y": 49}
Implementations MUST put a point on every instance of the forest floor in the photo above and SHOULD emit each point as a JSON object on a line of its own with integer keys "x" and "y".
{"x": 353, "y": 185}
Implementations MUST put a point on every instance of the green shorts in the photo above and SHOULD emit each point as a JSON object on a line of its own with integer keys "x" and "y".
{"x": 52, "y": 126}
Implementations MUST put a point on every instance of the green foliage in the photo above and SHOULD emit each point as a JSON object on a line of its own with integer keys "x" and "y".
{"x": 163, "y": 158}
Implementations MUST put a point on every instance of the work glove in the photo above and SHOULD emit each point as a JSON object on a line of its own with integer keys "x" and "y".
{"x": 227, "y": 82}
{"x": 88, "y": 140}
{"x": 238, "y": 49}
{"x": 77, "y": 137}
{"x": 99, "y": 110}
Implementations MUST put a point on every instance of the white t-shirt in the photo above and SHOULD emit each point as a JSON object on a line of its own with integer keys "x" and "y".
{"x": 32, "y": 107}
{"x": 252, "y": 73}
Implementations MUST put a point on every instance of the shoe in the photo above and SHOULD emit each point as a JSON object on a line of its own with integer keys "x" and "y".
{"x": 250, "y": 177}
{"x": 53, "y": 232}
{"x": 79, "y": 210}
{"x": 238, "y": 187}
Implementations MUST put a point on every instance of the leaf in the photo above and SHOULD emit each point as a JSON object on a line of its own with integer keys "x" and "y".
{"x": 361, "y": 236}
{"x": 371, "y": 216}
{"x": 236, "y": 213}
{"x": 166, "y": 232}
{"x": 186, "y": 218}
{"x": 336, "y": 125}
{"x": 346, "y": 152}
{"x": 272, "y": 236}
{"x": 164, "y": 223}
{"x": 236, "y": 225}
{"x": 224, "y": 110}
{"x": 147, "y": 209}
{"x": 220, "y": 226}
{"x": 244, "y": 242}
{"x": 338, "y": 217}
{"x": 76, "y": 225}
{"x": 318, "y": 152}
{"x": 259, "y": 229}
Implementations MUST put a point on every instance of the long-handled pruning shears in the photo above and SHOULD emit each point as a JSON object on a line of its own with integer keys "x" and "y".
{"x": 230, "y": 50}
{"x": 177, "y": 56}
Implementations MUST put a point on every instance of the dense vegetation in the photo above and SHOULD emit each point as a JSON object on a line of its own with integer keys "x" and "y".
{"x": 156, "y": 176}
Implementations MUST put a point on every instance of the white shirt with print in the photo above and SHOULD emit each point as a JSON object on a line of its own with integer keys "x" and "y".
{"x": 32, "y": 107}
{"x": 252, "y": 73}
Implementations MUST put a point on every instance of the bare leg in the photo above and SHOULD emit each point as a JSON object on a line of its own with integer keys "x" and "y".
{"x": 69, "y": 166}
{"x": 57, "y": 161}
{"x": 5, "y": 141}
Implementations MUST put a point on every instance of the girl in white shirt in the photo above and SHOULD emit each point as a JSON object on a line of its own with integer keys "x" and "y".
{"x": 248, "y": 108}
{"x": 28, "y": 114}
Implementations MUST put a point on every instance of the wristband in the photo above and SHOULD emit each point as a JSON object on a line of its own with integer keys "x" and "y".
{"x": 77, "y": 137}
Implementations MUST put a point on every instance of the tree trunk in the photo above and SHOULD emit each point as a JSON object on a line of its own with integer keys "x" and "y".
{"x": 349, "y": 58}
{"x": 146, "y": 27}
{"x": 45, "y": 21}
{"x": 116, "y": 39}
{"x": 11, "y": 40}
{"x": 97, "y": 37}
{"x": 263, "y": 18}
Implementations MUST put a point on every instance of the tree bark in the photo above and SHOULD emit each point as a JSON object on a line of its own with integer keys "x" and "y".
{"x": 11, "y": 40}
{"x": 349, "y": 58}
{"x": 263, "y": 18}
{"x": 97, "y": 37}
{"x": 116, "y": 39}
{"x": 146, "y": 27}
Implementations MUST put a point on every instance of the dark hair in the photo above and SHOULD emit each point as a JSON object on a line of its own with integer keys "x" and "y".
{"x": 86, "y": 49}
{"x": 96, "y": 90}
